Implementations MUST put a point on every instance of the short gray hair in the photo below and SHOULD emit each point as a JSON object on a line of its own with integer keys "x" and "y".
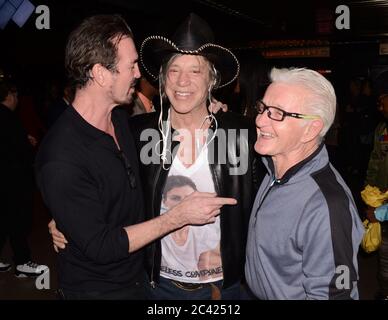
{"x": 322, "y": 99}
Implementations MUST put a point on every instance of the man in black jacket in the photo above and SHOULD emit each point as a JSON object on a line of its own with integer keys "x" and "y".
{"x": 215, "y": 152}
{"x": 16, "y": 176}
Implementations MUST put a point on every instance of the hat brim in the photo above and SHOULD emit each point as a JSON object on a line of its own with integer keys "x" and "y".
{"x": 156, "y": 50}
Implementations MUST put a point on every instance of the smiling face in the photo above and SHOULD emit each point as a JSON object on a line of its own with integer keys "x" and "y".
{"x": 187, "y": 83}
{"x": 281, "y": 138}
{"x": 124, "y": 79}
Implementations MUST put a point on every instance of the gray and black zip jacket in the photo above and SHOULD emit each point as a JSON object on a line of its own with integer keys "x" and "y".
{"x": 304, "y": 234}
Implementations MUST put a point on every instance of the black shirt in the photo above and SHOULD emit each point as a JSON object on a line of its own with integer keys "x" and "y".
{"x": 92, "y": 190}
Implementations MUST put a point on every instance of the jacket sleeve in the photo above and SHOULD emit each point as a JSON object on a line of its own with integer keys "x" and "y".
{"x": 72, "y": 197}
{"x": 328, "y": 251}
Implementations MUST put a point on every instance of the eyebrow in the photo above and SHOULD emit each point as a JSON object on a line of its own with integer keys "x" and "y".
{"x": 276, "y": 105}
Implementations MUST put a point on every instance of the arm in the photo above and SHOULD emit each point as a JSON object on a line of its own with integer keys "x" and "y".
{"x": 327, "y": 248}
{"x": 198, "y": 208}
{"x": 72, "y": 197}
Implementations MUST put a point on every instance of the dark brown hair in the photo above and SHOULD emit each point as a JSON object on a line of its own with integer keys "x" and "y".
{"x": 94, "y": 41}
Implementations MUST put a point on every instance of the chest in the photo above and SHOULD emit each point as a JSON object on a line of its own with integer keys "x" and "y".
{"x": 112, "y": 170}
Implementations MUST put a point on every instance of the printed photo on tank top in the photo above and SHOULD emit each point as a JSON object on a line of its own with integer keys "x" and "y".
{"x": 192, "y": 253}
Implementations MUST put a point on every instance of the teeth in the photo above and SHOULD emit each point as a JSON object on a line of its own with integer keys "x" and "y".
{"x": 183, "y": 94}
{"x": 266, "y": 134}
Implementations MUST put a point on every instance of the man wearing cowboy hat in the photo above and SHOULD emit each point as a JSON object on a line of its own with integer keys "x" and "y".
{"x": 88, "y": 174}
{"x": 205, "y": 148}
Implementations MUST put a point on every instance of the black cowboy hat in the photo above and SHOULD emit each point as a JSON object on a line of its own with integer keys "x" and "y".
{"x": 193, "y": 37}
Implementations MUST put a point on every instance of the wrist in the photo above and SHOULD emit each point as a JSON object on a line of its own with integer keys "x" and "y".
{"x": 173, "y": 219}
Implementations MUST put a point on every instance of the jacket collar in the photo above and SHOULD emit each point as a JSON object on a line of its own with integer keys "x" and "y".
{"x": 294, "y": 169}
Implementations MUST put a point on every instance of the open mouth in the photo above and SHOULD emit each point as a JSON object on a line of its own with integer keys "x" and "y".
{"x": 182, "y": 94}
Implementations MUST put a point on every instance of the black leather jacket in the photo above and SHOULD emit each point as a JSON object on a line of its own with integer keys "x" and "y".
{"x": 234, "y": 219}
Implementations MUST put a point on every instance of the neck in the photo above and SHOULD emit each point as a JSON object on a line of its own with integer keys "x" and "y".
{"x": 94, "y": 108}
{"x": 149, "y": 93}
{"x": 284, "y": 162}
{"x": 147, "y": 103}
{"x": 147, "y": 89}
{"x": 190, "y": 121}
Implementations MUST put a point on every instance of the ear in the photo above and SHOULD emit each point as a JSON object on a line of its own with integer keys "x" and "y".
{"x": 312, "y": 130}
{"x": 99, "y": 74}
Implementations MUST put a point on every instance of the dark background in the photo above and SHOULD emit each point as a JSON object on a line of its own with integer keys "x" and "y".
{"x": 37, "y": 55}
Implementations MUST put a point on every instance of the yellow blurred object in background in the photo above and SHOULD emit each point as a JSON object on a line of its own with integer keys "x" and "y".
{"x": 373, "y": 197}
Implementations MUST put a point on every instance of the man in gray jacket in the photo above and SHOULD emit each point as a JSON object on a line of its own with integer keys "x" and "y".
{"x": 304, "y": 231}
